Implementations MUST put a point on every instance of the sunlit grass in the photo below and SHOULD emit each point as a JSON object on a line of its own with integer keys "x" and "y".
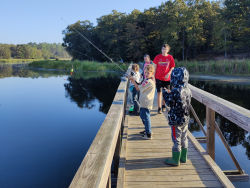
{"x": 18, "y": 60}
{"x": 224, "y": 67}
{"x": 78, "y": 65}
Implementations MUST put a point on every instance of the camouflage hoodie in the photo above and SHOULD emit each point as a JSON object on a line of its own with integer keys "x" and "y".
{"x": 179, "y": 98}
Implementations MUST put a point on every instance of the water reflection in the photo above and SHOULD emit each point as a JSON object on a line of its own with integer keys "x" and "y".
{"x": 49, "y": 122}
{"x": 237, "y": 94}
{"x": 102, "y": 88}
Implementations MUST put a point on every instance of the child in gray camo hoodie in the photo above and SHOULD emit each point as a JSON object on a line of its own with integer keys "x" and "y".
{"x": 178, "y": 100}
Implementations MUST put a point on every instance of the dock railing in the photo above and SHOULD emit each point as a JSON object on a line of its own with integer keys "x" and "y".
{"x": 95, "y": 169}
{"x": 236, "y": 114}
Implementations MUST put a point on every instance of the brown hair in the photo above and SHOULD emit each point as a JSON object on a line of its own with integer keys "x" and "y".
{"x": 150, "y": 68}
{"x": 166, "y": 46}
{"x": 146, "y": 55}
{"x": 135, "y": 67}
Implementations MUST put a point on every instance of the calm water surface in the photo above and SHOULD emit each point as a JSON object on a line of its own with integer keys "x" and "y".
{"x": 48, "y": 121}
{"x": 238, "y": 92}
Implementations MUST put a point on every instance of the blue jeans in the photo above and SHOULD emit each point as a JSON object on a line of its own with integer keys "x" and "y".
{"x": 145, "y": 117}
{"x": 136, "y": 101}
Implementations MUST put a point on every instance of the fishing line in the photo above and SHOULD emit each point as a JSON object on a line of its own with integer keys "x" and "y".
{"x": 98, "y": 49}
{"x": 86, "y": 89}
{"x": 81, "y": 54}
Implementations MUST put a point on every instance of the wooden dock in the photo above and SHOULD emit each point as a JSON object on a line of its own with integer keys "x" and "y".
{"x": 142, "y": 161}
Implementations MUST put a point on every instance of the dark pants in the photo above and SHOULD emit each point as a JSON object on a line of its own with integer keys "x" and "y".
{"x": 145, "y": 117}
{"x": 161, "y": 84}
{"x": 136, "y": 101}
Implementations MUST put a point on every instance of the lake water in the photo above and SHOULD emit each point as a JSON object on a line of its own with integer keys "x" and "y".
{"x": 48, "y": 121}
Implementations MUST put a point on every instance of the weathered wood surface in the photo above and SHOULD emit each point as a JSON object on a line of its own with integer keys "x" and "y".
{"x": 238, "y": 115}
{"x": 217, "y": 128}
{"x": 210, "y": 120}
{"x": 94, "y": 171}
{"x": 144, "y": 161}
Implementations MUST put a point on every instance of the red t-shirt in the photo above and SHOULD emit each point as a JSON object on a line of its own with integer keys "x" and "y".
{"x": 164, "y": 64}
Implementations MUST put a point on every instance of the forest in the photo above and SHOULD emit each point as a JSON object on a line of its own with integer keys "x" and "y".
{"x": 33, "y": 51}
{"x": 192, "y": 28}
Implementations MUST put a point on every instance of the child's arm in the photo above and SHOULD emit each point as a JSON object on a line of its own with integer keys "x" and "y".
{"x": 134, "y": 82}
{"x": 167, "y": 96}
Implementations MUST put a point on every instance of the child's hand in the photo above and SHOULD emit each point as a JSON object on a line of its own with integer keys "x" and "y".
{"x": 166, "y": 77}
{"x": 167, "y": 90}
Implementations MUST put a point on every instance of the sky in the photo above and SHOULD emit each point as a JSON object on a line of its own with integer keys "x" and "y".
{"x": 24, "y": 21}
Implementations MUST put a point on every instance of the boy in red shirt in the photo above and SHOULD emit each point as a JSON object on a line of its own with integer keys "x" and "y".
{"x": 164, "y": 64}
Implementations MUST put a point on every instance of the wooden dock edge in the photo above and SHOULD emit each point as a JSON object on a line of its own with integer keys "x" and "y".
{"x": 95, "y": 169}
{"x": 215, "y": 168}
{"x": 122, "y": 162}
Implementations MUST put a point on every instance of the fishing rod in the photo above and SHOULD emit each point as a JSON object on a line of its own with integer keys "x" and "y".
{"x": 98, "y": 49}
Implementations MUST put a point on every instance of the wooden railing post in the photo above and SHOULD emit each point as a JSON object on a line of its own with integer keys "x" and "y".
{"x": 210, "y": 120}
{"x": 117, "y": 155}
{"x": 109, "y": 181}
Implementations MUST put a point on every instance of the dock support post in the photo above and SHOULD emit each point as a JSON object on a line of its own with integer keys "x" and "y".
{"x": 210, "y": 121}
{"x": 109, "y": 181}
{"x": 117, "y": 155}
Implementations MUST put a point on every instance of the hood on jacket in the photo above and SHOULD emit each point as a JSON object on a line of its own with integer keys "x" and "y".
{"x": 179, "y": 77}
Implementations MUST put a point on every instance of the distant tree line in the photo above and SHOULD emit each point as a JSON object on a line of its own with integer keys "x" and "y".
{"x": 190, "y": 27}
{"x": 33, "y": 51}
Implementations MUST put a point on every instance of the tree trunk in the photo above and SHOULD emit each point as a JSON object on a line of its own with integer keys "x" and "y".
{"x": 247, "y": 50}
{"x": 183, "y": 45}
{"x": 232, "y": 55}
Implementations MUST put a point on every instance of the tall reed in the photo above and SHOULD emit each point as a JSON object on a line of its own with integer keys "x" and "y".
{"x": 224, "y": 67}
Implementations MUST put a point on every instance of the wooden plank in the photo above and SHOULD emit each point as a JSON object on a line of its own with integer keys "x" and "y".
{"x": 172, "y": 178}
{"x": 217, "y": 171}
{"x": 165, "y": 166}
{"x": 95, "y": 167}
{"x": 160, "y": 154}
{"x": 129, "y": 150}
{"x": 167, "y": 172}
{"x": 160, "y": 161}
{"x": 210, "y": 120}
{"x": 121, "y": 172}
{"x": 236, "y": 114}
{"x": 238, "y": 178}
{"x": 173, "y": 184}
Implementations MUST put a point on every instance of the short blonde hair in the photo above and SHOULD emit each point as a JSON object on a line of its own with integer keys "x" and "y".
{"x": 135, "y": 67}
{"x": 150, "y": 68}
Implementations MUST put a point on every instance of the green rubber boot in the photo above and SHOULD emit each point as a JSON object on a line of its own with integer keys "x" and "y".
{"x": 175, "y": 159}
{"x": 131, "y": 109}
{"x": 184, "y": 155}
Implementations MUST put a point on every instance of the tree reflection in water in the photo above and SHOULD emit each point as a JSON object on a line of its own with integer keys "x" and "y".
{"x": 237, "y": 94}
{"x": 103, "y": 88}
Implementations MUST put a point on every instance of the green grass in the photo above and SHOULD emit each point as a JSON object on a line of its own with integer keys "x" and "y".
{"x": 78, "y": 65}
{"x": 18, "y": 60}
{"x": 26, "y": 60}
{"x": 225, "y": 67}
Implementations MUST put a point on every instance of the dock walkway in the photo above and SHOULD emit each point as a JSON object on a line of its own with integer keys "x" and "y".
{"x": 142, "y": 161}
